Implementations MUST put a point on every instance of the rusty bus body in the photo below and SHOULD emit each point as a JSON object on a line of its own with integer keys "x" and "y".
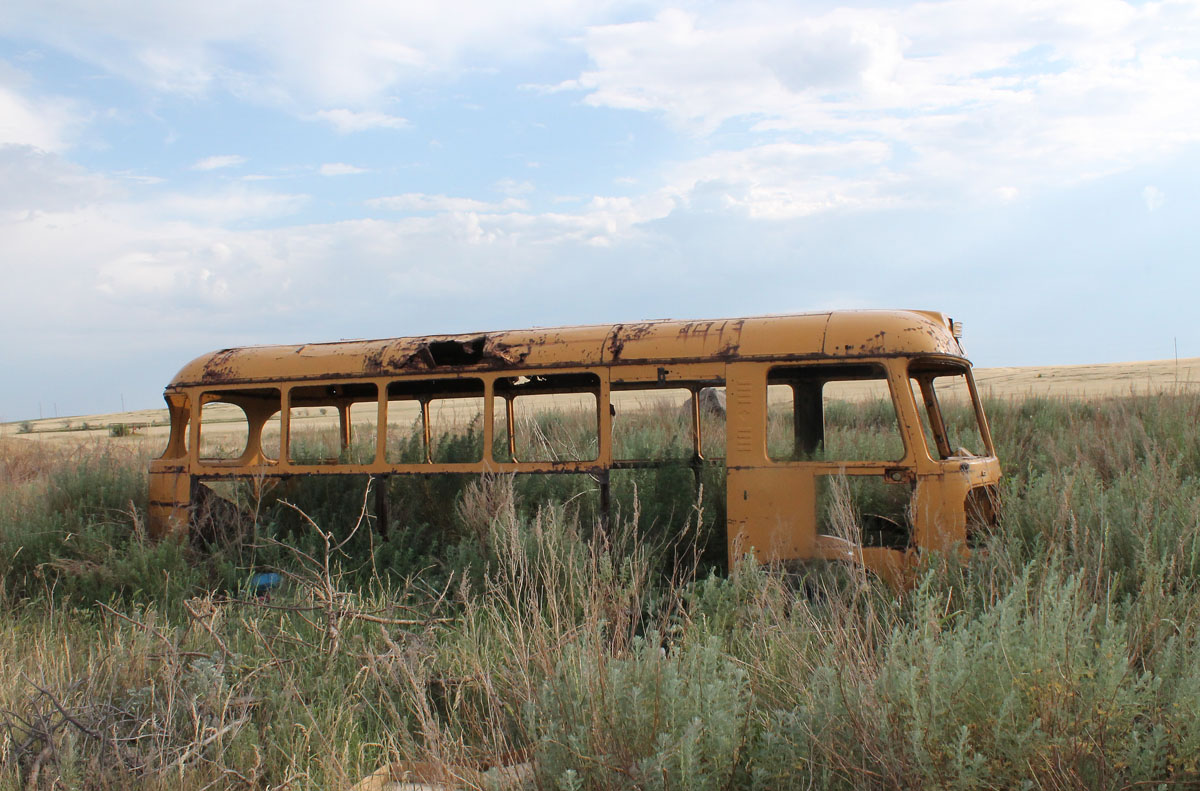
{"x": 779, "y": 370}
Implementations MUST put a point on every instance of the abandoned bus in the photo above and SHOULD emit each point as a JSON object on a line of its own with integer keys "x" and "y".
{"x": 801, "y": 415}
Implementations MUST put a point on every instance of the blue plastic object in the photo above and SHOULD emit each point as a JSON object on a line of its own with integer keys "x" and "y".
{"x": 264, "y": 583}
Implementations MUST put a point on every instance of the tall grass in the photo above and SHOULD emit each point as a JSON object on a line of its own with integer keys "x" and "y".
{"x": 499, "y": 627}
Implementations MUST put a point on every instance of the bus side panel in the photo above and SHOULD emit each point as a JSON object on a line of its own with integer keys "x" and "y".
{"x": 939, "y": 510}
{"x": 170, "y": 498}
{"x": 771, "y": 513}
{"x": 770, "y": 510}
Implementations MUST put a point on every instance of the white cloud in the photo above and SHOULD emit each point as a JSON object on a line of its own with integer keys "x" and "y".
{"x": 46, "y": 123}
{"x": 975, "y": 95}
{"x": 513, "y": 187}
{"x": 37, "y": 181}
{"x": 980, "y": 95}
{"x": 236, "y": 205}
{"x": 419, "y": 201}
{"x": 786, "y": 180}
{"x": 600, "y": 221}
{"x": 347, "y": 121}
{"x": 341, "y": 169}
{"x": 117, "y": 265}
{"x": 219, "y": 161}
{"x": 1153, "y": 198}
{"x": 127, "y": 264}
{"x": 138, "y": 178}
{"x": 346, "y": 54}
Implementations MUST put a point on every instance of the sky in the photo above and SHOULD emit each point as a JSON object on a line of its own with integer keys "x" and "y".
{"x": 187, "y": 176}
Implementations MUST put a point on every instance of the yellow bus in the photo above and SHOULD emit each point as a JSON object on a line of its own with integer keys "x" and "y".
{"x": 853, "y": 436}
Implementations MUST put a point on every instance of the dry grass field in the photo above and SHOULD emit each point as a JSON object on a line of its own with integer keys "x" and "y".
{"x": 500, "y": 637}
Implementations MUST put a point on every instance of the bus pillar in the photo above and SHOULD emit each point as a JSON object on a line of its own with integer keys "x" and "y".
{"x": 170, "y": 499}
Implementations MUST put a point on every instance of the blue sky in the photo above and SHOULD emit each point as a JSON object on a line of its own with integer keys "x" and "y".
{"x": 180, "y": 177}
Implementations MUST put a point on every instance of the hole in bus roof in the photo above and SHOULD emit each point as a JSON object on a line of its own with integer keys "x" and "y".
{"x": 447, "y": 353}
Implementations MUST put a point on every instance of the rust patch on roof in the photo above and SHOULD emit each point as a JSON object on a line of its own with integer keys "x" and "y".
{"x": 934, "y": 332}
{"x": 876, "y": 345}
{"x": 219, "y": 367}
{"x": 616, "y": 345}
{"x": 500, "y": 354}
{"x": 373, "y": 360}
{"x": 420, "y": 360}
{"x": 734, "y": 341}
{"x": 623, "y": 333}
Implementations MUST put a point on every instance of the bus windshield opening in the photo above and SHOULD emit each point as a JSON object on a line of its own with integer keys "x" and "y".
{"x": 951, "y": 416}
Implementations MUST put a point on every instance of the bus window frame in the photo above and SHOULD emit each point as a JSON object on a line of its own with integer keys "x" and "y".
{"x": 343, "y": 406}
{"x": 602, "y": 395}
{"x": 949, "y": 367}
{"x": 695, "y": 428}
{"x": 253, "y": 451}
{"x": 848, "y": 466}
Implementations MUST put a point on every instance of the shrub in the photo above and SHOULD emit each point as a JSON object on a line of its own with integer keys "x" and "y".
{"x": 649, "y": 719}
{"x": 120, "y": 430}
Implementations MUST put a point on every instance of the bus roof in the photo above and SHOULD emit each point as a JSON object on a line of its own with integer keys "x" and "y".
{"x": 836, "y": 334}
